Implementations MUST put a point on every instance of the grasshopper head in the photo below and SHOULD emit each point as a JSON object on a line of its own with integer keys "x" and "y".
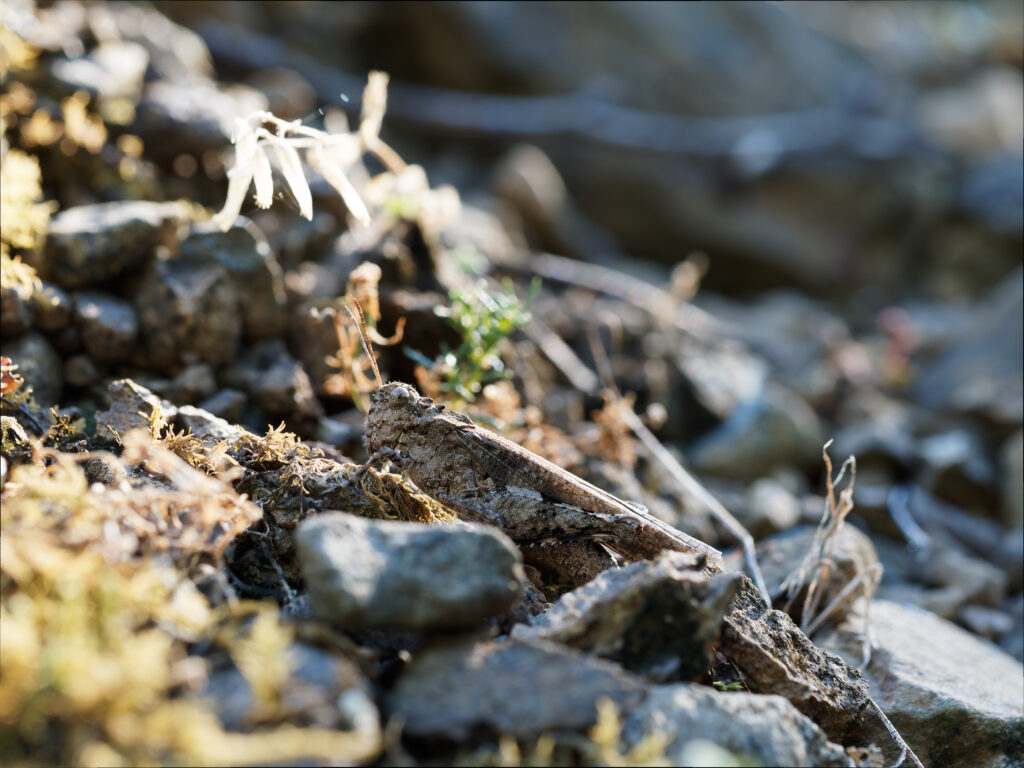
{"x": 395, "y": 409}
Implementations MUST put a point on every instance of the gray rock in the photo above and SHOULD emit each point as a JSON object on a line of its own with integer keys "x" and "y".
{"x": 770, "y": 508}
{"x": 189, "y": 313}
{"x": 766, "y": 728}
{"x": 795, "y": 335}
{"x": 989, "y": 623}
{"x": 14, "y": 434}
{"x": 175, "y": 52}
{"x": 132, "y": 407}
{"x": 108, "y": 325}
{"x": 1013, "y": 641}
{"x": 243, "y": 251}
{"x": 977, "y": 580}
{"x": 191, "y": 385}
{"x": 366, "y": 574}
{"x": 205, "y": 425}
{"x": 956, "y": 699}
{"x": 777, "y": 428}
{"x": 90, "y": 244}
{"x": 956, "y": 468}
{"x": 15, "y": 318}
{"x": 80, "y": 371}
{"x": 982, "y": 371}
{"x": 1011, "y": 459}
{"x": 879, "y": 431}
{"x": 721, "y": 372}
{"x": 514, "y": 687}
{"x": 39, "y": 365}
{"x": 227, "y": 404}
{"x": 275, "y": 381}
{"x": 323, "y": 691}
{"x": 658, "y": 619}
{"x": 175, "y": 118}
{"x": 289, "y": 94}
{"x": 51, "y": 308}
{"x": 112, "y": 70}
{"x": 776, "y": 656}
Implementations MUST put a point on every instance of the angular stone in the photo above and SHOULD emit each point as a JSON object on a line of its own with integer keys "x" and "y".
{"x": 765, "y": 727}
{"x": 659, "y": 619}
{"x": 275, "y": 381}
{"x": 956, "y": 469}
{"x": 205, "y": 425}
{"x": 14, "y": 311}
{"x": 513, "y": 687}
{"x": 176, "y": 52}
{"x": 776, "y": 428}
{"x": 80, "y": 371}
{"x": 191, "y": 117}
{"x": 39, "y": 365}
{"x": 90, "y": 244}
{"x": 365, "y": 574}
{"x": 323, "y": 690}
{"x": 777, "y": 657}
{"x": 112, "y": 70}
{"x": 1011, "y": 460}
{"x": 956, "y": 699}
{"x": 982, "y": 371}
{"x": 108, "y": 325}
{"x": 227, "y": 404}
{"x": 189, "y": 313}
{"x": 190, "y": 385}
{"x": 132, "y": 407}
{"x": 51, "y": 308}
{"x": 243, "y": 251}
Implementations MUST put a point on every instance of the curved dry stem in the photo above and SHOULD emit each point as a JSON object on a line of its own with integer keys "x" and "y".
{"x": 905, "y": 750}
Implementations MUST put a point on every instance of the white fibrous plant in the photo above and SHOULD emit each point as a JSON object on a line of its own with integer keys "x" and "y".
{"x": 291, "y": 142}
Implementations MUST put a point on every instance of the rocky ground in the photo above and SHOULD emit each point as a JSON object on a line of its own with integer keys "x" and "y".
{"x": 194, "y": 570}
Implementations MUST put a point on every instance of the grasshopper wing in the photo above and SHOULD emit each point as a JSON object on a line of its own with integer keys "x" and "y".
{"x": 638, "y": 535}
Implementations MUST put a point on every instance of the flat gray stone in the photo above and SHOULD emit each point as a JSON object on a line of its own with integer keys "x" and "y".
{"x": 765, "y": 727}
{"x": 245, "y": 254}
{"x": 775, "y": 428}
{"x": 956, "y": 699}
{"x": 131, "y": 407}
{"x": 188, "y": 313}
{"x": 376, "y": 574}
{"x": 39, "y": 365}
{"x": 658, "y": 619}
{"x": 513, "y": 687}
{"x": 90, "y": 244}
{"x": 108, "y": 325}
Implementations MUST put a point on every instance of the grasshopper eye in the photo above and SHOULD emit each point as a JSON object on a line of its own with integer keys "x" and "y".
{"x": 401, "y": 393}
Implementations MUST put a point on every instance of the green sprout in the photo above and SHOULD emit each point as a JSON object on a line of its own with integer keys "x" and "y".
{"x": 484, "y": 321}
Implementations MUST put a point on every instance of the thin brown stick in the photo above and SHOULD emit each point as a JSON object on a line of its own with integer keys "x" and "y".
{"x": 364, "y": 337}
{"x": 686, "y": 481}
{"x": 871, "y": 572}
{"x": 827, "y": 535}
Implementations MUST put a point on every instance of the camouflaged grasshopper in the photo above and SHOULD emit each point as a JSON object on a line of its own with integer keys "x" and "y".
{"x": 562, "y": 522}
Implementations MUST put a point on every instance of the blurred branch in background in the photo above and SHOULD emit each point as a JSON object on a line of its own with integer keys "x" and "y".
{"x": 754, "y": 142}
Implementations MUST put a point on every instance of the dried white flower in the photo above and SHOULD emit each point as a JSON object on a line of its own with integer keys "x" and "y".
{"x": 240, "y": 176}
{"x": 264, "y": 178}
{"x": 333, "y": 154}
{"x": 375, "y": 102}
{"x": 337, "y": 179}
{"x": 291, "y": 167}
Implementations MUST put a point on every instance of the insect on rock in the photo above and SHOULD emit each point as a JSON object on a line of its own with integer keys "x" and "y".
{"x": 564, "y": 524}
